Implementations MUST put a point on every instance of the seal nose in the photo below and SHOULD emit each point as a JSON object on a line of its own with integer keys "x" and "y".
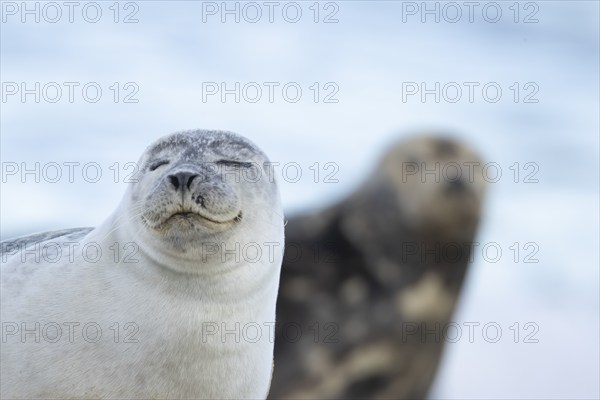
{"x": 181, "y": 179}
{"x": 456, "y": 184}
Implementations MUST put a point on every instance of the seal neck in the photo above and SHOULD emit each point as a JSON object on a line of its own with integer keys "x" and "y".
{"x": 216, "y": 279}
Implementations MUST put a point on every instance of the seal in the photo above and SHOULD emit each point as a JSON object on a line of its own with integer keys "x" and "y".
{"x": 368, "y": 284}
{"x": 173, "y": 296}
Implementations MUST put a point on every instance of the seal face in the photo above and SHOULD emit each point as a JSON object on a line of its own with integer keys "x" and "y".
{"x": 188, "y": 313}
{"x": 193, "y": 189}
{"x": 437, "y": 182}
{"x": 177, "y": 190}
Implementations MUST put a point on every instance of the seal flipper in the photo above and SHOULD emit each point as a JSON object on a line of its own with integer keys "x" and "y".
{"x": 26, "y": 241}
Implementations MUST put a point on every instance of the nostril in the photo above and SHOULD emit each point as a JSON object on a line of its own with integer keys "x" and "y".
{"x": 190, "y": 179}
{"x": 456, "y": 184}
{"x": 182, "y": 178}
{"x": 174, "y": 180}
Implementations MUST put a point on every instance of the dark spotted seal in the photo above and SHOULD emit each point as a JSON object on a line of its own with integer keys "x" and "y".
{"x": 368, "y": 284}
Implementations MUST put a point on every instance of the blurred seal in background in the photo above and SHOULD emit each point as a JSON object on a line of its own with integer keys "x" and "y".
{"x": 369, "y": 285}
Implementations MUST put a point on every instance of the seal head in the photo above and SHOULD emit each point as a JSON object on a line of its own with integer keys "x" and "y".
{"x": 195, "y": 189}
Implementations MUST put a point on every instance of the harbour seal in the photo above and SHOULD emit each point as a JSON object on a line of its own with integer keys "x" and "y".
{"x": 173, "y": 296}
{"x": 369, "y": 283}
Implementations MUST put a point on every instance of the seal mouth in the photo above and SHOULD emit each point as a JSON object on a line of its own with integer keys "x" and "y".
{"x": 191, "y": 216}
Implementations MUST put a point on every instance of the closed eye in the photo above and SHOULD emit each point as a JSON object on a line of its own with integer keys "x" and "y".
{"x": 232, "y": 163}
{"x": 157, "y": 164}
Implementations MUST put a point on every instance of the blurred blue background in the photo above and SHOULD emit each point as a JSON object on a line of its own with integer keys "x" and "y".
{"x": 368, "y": 54}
